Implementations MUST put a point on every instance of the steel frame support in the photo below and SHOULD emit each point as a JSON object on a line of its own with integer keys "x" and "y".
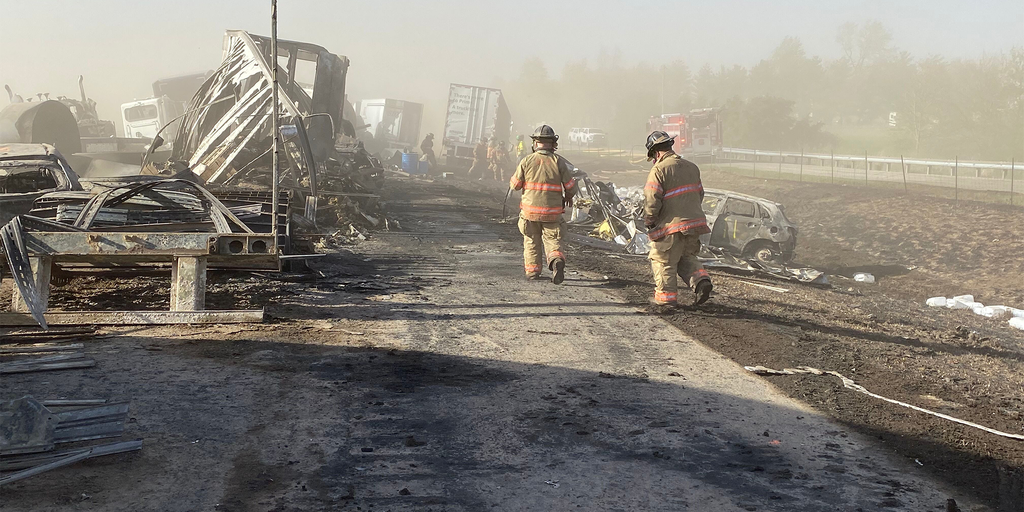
{"x": 41, "y": 267}
{"x": 188, "y": 284}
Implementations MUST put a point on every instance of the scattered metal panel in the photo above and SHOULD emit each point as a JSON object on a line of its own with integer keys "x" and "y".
{"x": 40, "y": 348}
{"x": 29, "y": 430}
{"x": 47, "y": 363}
{"x": 26, "y": 426}
{"x": 101, "y": 421}
{"x": 104, "y": 411}
{"x": 58, "y": 460}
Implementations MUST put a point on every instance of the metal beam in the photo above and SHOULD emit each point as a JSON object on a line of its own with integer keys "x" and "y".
{"x": 136, "y": 317}
{"x": 147, "y": 244}
{"x": 188, "y": 284}
{"x": 68, "y": 458}
{"x": 41, "y": 269}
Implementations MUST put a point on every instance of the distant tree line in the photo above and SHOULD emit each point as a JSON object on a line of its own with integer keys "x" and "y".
{"x": 873, "y": 98}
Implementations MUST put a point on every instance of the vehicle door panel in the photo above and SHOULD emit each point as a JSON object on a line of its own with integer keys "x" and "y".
{"x": 737, "y": 225}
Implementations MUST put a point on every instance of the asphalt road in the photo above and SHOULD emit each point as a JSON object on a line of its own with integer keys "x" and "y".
{"x": 423, "y": 373}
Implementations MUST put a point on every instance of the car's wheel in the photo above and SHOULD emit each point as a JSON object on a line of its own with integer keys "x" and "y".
{"x": 764, "y": 252}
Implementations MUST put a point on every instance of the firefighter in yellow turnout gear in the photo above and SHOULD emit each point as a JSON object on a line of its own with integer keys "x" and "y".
{"x": 547, "y": 184}
{"x": 674, "y": 220}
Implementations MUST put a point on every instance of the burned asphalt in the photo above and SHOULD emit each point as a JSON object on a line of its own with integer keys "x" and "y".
{"x": 418, "y": 371}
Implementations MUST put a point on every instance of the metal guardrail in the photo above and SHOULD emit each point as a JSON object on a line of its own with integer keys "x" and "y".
{"x": 874, "y": 159}
{"x": 980, "y": 176}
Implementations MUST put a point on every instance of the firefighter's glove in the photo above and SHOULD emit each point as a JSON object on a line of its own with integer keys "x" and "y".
{"x": 650, "y": 221}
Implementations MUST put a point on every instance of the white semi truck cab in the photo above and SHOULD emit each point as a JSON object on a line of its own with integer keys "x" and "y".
{"x": 143, "y": 118}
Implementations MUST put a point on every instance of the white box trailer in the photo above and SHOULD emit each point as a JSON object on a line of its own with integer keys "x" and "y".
{"x": 395, "y": 124}
{"x": 474, "y": 114}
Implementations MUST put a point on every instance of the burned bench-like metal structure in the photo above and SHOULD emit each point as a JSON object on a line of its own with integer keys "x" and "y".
{"x": 189, "y": 254}
{"x": 34, "y": 245}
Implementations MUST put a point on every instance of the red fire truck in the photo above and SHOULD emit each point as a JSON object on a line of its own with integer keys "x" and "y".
{"x": 699, "y": 132}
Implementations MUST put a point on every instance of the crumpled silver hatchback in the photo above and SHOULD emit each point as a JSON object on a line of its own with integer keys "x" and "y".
{"x": 748, "y": 226}
{"x": 27, "y": 172}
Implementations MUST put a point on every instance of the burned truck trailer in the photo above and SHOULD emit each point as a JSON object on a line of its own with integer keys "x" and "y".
{"x": 475, "y": 114}
{"x": 226, "y": 139}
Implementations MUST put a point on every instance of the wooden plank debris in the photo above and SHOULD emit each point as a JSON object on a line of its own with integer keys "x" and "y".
{"x": 41, "y": 347}
{"x": 47, "y": 363}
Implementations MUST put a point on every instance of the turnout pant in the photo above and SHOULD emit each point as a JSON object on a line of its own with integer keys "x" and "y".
{"x": 540, "y": 239}
{"x": 499, "y": 172}
{"x": 478, "y": 169}
{"x": 675, "y": 254}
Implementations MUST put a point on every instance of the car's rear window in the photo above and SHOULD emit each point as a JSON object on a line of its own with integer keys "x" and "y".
{"x": 30, "y": 181}
{"x": 740, "y": 207}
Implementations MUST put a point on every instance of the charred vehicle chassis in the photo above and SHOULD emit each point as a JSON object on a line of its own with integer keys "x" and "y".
{"x": 748, "y": 226}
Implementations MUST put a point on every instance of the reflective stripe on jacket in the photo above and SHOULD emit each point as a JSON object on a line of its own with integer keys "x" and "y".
{"x": 544, "y": 178}
{"x": 673, "y": 196}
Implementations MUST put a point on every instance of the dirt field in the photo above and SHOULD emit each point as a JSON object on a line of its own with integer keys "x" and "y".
{"x": 882, "y": 335}
{"x": 408, "y": 339}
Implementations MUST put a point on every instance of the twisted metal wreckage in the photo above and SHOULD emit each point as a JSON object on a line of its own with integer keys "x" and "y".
{"x": 211, "y": 202}
{"x": 617, "y": 217}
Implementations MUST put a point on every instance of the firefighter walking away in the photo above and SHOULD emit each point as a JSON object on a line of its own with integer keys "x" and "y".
{"x": 674, "y": 220}
{"x": 547, "y": 184}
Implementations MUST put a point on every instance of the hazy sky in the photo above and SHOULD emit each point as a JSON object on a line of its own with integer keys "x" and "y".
{"x": 412, "y": 49}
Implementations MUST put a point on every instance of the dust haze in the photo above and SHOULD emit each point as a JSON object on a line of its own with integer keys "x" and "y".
{"x": 793, "y": 74}
{"x": 299, "y": 300}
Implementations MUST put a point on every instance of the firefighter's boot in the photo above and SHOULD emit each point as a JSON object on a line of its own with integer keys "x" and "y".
{"x": 702, "y": 291}
{"x": 558, "y": 271}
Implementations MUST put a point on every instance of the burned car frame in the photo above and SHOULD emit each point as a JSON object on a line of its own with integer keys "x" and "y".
{"x": 743, "y": 226}
{"x": 748, "y": 226}
{"x": 30, "y": 171}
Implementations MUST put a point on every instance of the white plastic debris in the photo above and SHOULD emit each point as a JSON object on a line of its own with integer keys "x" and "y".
{"x": 864, "y": 277}
{"x": 963, "y": 302}
{"x": 1017, "y": 322}
{"x": 994, "y": 311}
{"x": 968, "y": 302}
